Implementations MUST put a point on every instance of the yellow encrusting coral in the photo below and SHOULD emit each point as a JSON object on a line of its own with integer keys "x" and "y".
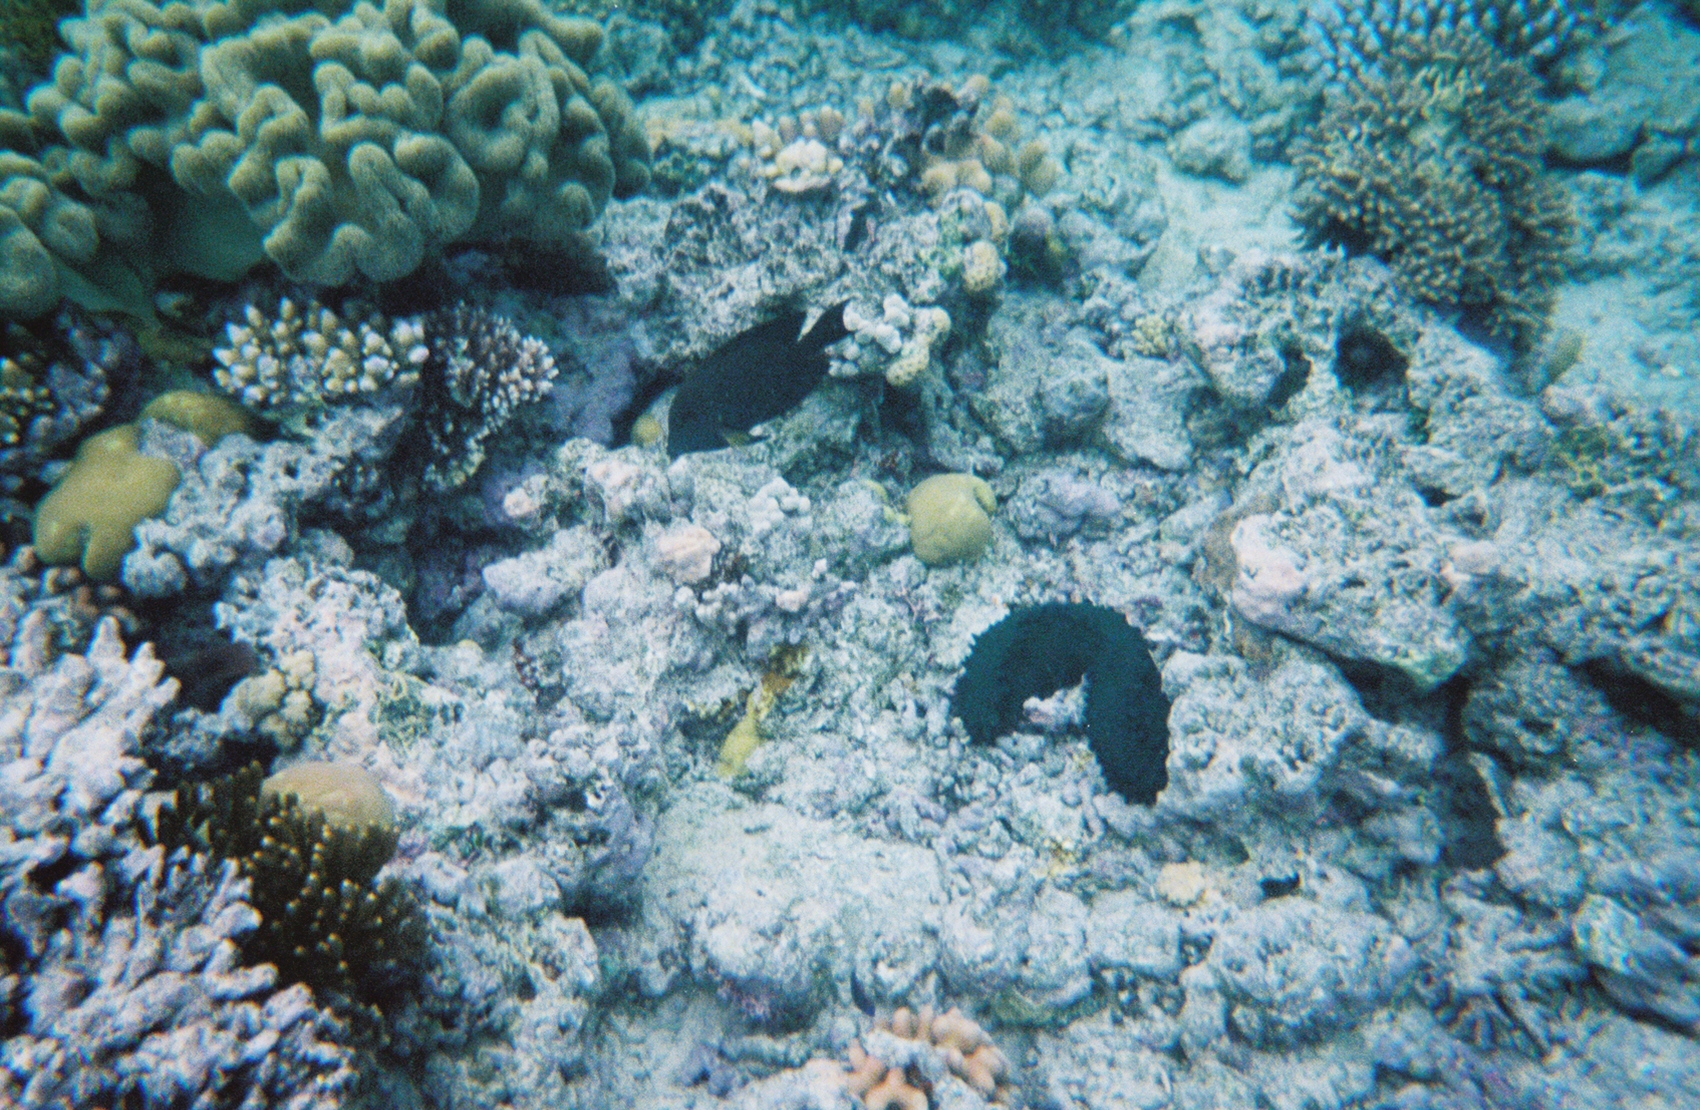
{"x": 279, "y": 701}
{"x": 746, "y": 736}
{"x": 982, "y": 268}
{"x": 209, "y": 416}
{"x": 90, "y": 517}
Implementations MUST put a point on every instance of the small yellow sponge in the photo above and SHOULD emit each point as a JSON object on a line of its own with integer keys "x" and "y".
{"x": 950, "y": 518}
{"x": 90, "y": 517}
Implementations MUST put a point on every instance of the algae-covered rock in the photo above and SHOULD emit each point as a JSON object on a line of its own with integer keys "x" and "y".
{"x": 90, "y": 517}
{"x": 950, "y": 518}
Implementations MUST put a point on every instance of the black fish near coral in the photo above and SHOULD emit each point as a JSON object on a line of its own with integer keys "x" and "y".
{"x": 1036, "y": 651}
{"x": 756, "y": 375}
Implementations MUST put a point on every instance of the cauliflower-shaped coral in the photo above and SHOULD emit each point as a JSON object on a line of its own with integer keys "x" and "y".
{"x": 898, "y": 343}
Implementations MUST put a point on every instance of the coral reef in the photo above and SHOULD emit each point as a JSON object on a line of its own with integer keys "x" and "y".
{"x": 27, "y": 27}
{"x": 238, "y": 502}
{"x": 124, "y": 980}
{"x": 1433, "y": 164}
{"x": 894, "y": 1068}
{"x": 207, "y": 415}
{"x": 695, "y": 764}
{"x": 1021, "y": 22}
{"x": 1635, "y": 111}
{"x": 882, "y": 348}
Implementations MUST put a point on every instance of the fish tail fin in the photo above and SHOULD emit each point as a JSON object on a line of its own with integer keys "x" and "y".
{"x": 827, "y": 330}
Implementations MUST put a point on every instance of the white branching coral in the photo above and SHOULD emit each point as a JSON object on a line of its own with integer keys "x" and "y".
{"x": 311, "y": 356}
{"x": 480, "y": 371}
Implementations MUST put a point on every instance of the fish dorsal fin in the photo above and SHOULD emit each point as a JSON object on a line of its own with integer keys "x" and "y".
{"x": 827, "y": 330}
{"x": 783, "y": 328}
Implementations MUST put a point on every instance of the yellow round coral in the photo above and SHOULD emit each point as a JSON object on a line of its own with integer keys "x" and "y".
{"x": 346, "y": 793}
{"x": 950, "y": 518}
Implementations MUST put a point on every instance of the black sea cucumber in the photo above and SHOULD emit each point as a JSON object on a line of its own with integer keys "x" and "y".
{"x": 1035, "y": 651}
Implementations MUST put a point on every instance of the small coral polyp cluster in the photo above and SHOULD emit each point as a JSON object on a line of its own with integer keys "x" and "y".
{"x": 1431, "y": 161}
{"x": 965, "y": 138}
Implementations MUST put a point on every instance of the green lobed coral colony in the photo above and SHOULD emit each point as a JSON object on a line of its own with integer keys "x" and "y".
{"x": 341, "y": 142}
{"x": 310, "y": 839}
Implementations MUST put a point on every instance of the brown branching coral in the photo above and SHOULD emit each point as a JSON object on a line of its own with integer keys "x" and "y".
{"x": 1432, "y": 163}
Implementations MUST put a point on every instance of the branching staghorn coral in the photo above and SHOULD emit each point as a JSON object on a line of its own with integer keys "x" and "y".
{"x": 1432, "y": 163}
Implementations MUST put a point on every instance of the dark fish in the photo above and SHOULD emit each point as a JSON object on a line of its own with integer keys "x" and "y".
{"x": 204, "y": 676}
{"x": 858, "y": 229}
{"x": 756, "y": 375}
